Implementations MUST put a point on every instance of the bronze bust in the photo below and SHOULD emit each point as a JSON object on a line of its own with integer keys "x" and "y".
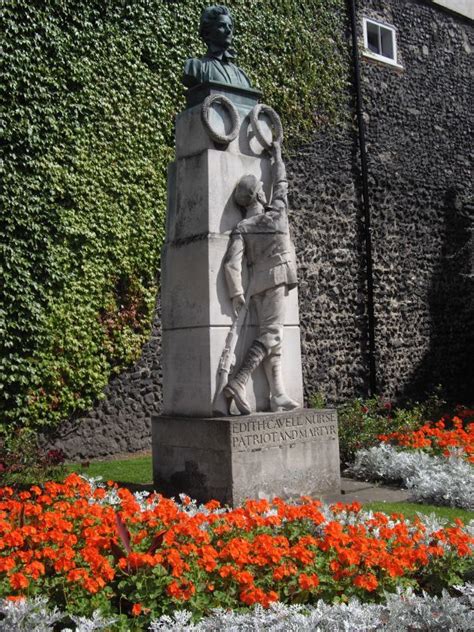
{"x": 217, "y": 30}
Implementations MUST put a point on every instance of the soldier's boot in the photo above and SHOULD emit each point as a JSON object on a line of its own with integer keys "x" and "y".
{"x": 235, "y": 388}
{"x": 279, "y": 400}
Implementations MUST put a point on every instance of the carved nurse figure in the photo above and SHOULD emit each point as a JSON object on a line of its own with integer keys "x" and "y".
{"x": 263, "y": 237}
{"x": 217, "y": 31}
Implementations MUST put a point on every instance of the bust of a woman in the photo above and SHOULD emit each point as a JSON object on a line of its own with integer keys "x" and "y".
{"x": 217, "y": 31}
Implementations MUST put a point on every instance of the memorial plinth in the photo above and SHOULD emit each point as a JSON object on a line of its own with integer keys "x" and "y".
{"x": 222, "y": 138}
{"x": 256, "y": 456}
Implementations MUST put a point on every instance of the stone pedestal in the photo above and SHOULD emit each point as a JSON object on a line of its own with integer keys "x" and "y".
{"x": 256, "y": 456}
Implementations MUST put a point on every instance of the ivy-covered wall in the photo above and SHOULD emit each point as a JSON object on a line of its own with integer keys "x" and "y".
{"x": 89, "y": 91}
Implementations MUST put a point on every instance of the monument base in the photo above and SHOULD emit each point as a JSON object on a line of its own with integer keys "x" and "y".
{"x": 262, "y": 455}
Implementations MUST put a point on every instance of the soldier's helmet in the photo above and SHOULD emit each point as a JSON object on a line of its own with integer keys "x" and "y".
{"x": 246, "y": 190}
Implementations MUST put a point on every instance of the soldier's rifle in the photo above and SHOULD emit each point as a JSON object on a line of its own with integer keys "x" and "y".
{"x": 227, "y": 360}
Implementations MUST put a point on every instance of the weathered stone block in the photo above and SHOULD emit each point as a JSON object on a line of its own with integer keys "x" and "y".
{"x": 190, "y": 367}
{"x": 261, "y": 455}
{"x": 201, "y": 190}
{"x": 194, "y": 288}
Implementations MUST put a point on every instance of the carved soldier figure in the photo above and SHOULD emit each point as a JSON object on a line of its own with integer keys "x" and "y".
{"x": 217, "y": 31}
{"x": 263, "y": 237}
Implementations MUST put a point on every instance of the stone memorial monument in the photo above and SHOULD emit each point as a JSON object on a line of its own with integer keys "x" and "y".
{"x": 233, "y": 425}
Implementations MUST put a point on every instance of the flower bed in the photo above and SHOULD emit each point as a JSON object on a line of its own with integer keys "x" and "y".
{"x": 431, "y": 479}
{"x": 435, "y": 462}
{"x": 85, "y": 547}
{"x": 437, "y": 439}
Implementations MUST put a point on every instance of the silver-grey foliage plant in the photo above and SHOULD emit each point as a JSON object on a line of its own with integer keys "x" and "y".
{"x": 26, "y": 615}
{"x": 432, "y": 479}
{"x": 34, "y": 615}
{"x": 403, "y": 611}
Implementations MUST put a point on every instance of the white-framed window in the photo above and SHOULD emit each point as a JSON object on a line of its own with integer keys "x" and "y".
{"x": 380, "y": 41}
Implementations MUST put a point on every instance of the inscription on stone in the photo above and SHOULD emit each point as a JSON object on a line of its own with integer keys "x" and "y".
{"x": 267, "y": 432}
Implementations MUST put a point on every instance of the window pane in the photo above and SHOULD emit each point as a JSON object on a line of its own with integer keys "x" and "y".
{"x": 373, "y": 37}
{"x": 387, "y": 43}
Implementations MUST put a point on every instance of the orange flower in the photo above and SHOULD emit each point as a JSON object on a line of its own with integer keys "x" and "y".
{"x": 188, "y": 590}
{"x": 244, "y": 578}
{"x": 7, "y": 564}
{"x": 308, "y": 582}
{"x": 35, "y": 569}
{"x": 302, "y": 554}
{"x": 212, "y": 505}
{"x": 13, "y": 539}
{"x": 183, "y": 591}
{"x": 18, "y": 581}
{"x": 136, "y": 560}
{"x": 253, "y": 595}
{"x": 367, "y": 582}
{"x": 63, "y": 564}
{"x": 207, "y": 559}
{"x": 77, "y": 575}
{"x": 16, "y": 598}
{"x": 284, "y": 570}
{"x": 173, "y": 589}
{"x": 436, "y": 437}
{"x": 93, "y": 585}
{"x": 349, "y": 557}
{"x": 136, "y": 609}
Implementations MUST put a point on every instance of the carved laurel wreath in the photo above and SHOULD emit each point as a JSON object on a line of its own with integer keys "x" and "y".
{"x": 232, "y": 111}
{"x": 261, "y": 108}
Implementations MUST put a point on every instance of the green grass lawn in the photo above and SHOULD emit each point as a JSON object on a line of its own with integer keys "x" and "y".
{"x": 138, "y": 471}
{"x": 409, "y": 510}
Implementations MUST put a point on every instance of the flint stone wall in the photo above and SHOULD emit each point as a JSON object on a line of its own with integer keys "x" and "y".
{"x": 419, "y": 135}
{"x": 326, "y": 223}
{"x": 418, "y": 127}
